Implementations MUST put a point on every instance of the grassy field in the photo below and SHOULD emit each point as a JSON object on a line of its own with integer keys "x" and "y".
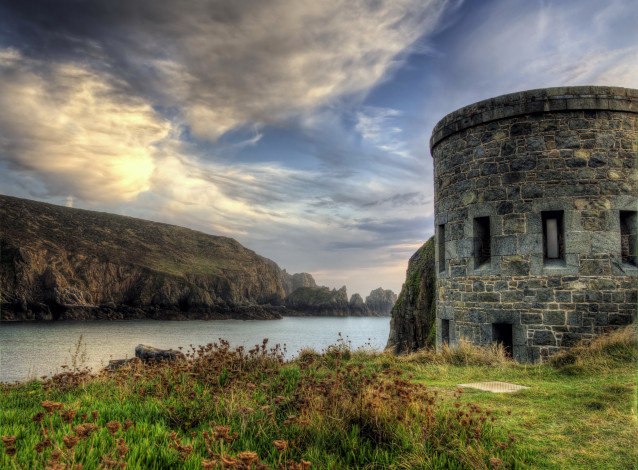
{"x": 232, "y": 408}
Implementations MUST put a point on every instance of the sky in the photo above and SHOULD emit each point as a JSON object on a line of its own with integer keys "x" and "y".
{"x": 299, "y": 128}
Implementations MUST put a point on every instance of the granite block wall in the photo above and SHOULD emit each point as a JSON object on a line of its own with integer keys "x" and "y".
{"x": 502, "y": 168}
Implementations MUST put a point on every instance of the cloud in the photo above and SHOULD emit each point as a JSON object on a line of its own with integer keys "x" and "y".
{"x": 173, "y": 73}
{"x": 70, "y": 127}
{"x": 375, "y": 126}
{"x": 540, "y": 44}
{"x": 89, "y": 142}
{"x": 278, "y": 60}
{"x": 228, "y": 64}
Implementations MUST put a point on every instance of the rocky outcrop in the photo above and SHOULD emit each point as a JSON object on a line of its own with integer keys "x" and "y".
{"x": 149, "y": 353}
{"x": 292, "y": 282}
{"x": 60, "y": 263}
{"x": 413, "y": 320}
{"x": 320, "y": 301}
{"x": 380, "y": 301}
{"x": 358, "y": 308}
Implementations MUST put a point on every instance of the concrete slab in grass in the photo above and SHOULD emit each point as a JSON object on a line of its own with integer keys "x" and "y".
{"x": 494, "y": 387}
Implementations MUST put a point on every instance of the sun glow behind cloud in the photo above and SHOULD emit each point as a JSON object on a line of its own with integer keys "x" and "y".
{"x": 71, "y": 130}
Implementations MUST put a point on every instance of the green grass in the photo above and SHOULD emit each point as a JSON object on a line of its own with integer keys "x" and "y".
{"x": 158, "y": 247}
{"x": 341, "y": 409}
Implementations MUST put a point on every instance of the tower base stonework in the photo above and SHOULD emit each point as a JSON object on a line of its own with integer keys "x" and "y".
{"x": 535, "y": 213}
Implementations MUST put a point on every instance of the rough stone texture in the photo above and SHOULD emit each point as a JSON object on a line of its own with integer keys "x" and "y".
{"x": 358, "y": 307}
{"x": 511, "y": 158}
{"x": 380, "y": 301}
{"x": 413, "y": 315}
{"x": 292, "y": 282}
{"x": 149, "y": 353}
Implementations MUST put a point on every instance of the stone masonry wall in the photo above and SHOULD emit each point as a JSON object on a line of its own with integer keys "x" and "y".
{"x": 511, "y": 159}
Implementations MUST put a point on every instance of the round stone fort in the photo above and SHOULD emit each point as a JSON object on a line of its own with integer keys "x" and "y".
{"x": 535, "y": 213}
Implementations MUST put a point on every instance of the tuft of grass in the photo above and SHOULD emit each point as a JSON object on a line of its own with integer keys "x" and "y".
{"x": 603, "y": 352}
{"x": 465, "y": 354}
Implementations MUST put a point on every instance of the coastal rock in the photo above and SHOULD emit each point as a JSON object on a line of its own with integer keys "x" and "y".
{"x": 358, "y": 307}
{"x": 412, "y": 326}
{"x": 381, "y": 301}
{"x": 320, "y": 301}
{"x": 148, "y": 353}
{"x": 292, "y": 282}
{"x": 59, "y": 263}
{"x": 323, "y": 301}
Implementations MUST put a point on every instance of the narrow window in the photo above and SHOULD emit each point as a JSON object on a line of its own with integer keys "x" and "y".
{"x": 553, "y": 235}
{"x": 502, "y": 334}
{"x": 445, "y": 332}
{"x": 628, "y": 237}
{"x": 482, "y": 241}
{"x": 441, "y": 248}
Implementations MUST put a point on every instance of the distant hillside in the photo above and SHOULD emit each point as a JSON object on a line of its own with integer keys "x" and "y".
{"x": 63, "y": 263}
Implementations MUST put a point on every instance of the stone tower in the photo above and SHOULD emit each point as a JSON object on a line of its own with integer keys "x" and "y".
{"x": 535, "y": 207}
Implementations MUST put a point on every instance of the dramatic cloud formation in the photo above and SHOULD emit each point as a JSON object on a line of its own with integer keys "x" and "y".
{"x": 227, "y": 64}
{"x": 74, "y": 131}
{"x": 299, "y": 128}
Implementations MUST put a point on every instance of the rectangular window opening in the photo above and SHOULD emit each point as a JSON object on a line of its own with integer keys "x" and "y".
{"x": 628, "y": 237}
{"x": 445, "y": 332}
{"x": 553, "y": 236}
{"x": 482, "y": 241}
{"x": 441, "y": 248}
{"x": 502, "y": 335}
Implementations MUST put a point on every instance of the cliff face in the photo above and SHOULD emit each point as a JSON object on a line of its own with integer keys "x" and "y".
{"x": 413, "y": 317}
{"x": 320, "y": 301}
{"x": 381, "y": 301}
{"x": 358, "y": 308}
{"x": 292, "y": 282}
{"x": 63, "y": 263}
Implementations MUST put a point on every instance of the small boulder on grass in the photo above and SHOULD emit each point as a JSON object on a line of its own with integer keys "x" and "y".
{"x": 149, "y": 353}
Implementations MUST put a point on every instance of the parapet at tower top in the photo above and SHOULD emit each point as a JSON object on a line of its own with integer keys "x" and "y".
{"x": 542, "y": 100}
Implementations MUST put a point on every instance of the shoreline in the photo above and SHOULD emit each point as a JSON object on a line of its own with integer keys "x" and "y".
{"x": 127, "y": 313}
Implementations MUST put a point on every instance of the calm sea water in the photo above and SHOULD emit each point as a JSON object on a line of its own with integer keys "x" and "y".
{"x": 31, "y": 349}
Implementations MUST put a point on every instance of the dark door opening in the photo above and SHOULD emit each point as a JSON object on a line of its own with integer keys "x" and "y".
{"x": 445, "y": 332}
{"x": 502, "y": 334}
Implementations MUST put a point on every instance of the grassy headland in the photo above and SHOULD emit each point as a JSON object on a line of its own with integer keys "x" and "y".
{"x": 69, "y": 264}
{"x": 225, "y": 408}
